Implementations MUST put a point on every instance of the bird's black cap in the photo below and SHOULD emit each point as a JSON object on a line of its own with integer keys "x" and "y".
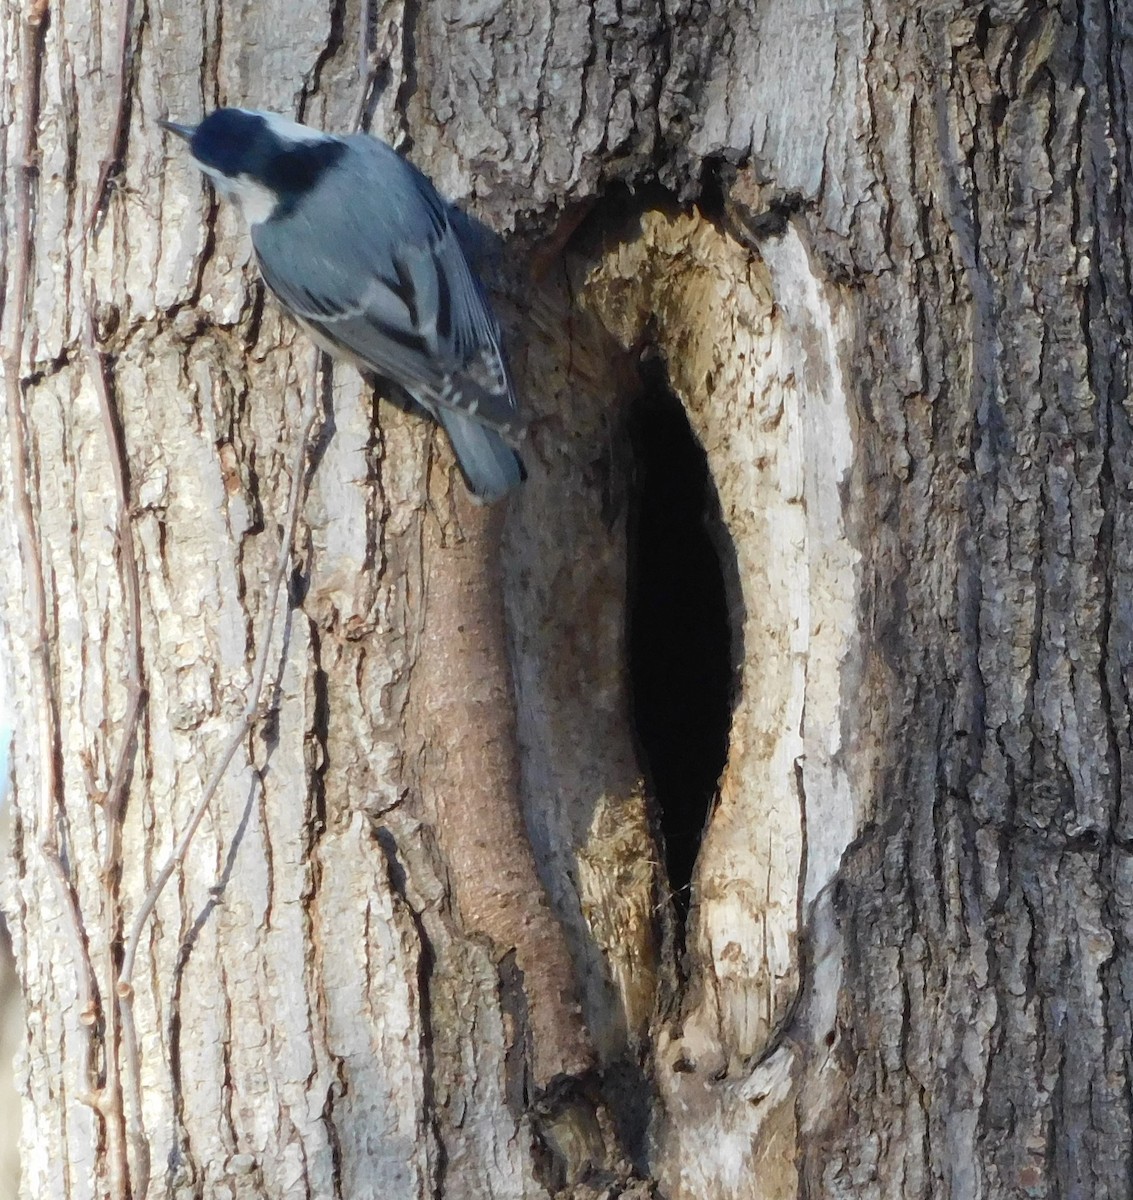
{"x": 237, "y": 141}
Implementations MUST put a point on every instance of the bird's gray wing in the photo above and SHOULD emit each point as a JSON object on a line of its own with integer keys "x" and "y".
{"x": 370, "y": 262}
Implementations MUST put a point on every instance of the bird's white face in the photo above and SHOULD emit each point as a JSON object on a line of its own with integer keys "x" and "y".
{"x": 256, "y": 202}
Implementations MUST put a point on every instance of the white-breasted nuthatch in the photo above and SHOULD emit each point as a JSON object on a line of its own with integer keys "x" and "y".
{"x": 356, "y": 243}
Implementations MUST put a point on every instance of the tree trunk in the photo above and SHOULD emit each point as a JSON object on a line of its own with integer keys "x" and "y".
{"x": 439, "y": 931}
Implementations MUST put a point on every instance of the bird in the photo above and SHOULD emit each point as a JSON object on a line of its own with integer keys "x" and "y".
{"x": 357, "y": 244}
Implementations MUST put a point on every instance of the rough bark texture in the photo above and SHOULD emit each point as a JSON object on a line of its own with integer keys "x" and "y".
{"x": 986, "y": 908}
{"x": 883, "y": 253}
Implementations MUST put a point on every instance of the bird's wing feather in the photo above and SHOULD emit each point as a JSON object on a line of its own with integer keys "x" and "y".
{"x": 394, "y": 290}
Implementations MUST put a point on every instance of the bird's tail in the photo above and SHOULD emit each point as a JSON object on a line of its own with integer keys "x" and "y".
{"x": 490, "y": 467}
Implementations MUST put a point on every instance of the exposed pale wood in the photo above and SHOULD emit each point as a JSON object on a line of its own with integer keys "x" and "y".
{"x": 755, "y": 352}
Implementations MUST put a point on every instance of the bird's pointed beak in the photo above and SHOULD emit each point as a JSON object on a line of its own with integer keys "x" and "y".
{"x": 182, "y": 131}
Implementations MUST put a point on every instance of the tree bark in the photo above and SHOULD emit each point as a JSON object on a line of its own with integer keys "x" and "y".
{"x": 421, "y": 943}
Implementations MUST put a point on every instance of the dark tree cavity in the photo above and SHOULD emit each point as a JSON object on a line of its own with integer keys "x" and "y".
{"x": 679, "y": 631}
